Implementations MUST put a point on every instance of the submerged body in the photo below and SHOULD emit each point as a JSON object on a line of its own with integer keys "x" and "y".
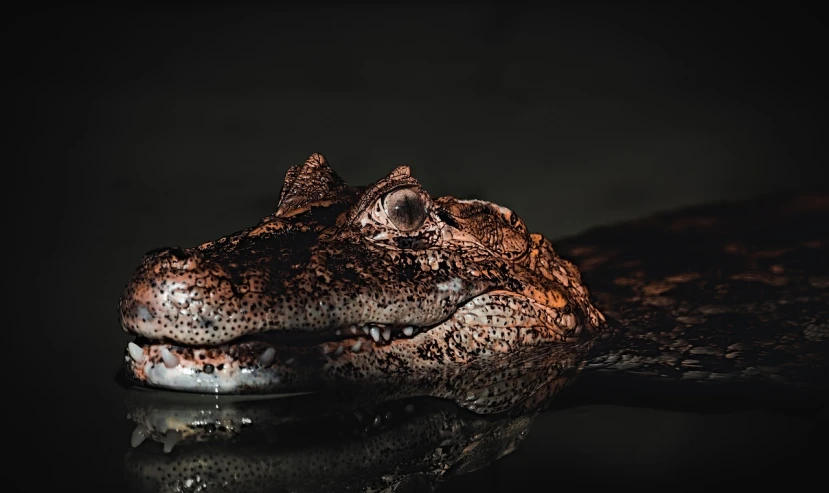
{"x": 718, "y": 292}
{"x": 389, "y": 290}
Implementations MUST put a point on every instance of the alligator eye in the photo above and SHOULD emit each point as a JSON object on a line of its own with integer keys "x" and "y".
{"x": 405, "y": 209}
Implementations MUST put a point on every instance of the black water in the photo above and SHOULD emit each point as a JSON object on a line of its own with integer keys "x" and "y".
{"x": 136, "y": 129}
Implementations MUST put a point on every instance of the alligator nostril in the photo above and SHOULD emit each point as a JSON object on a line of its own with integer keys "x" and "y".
{"x": 176, "y": 252}
{"x": 175, "y": 258}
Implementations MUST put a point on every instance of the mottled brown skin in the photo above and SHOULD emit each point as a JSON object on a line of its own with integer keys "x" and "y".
{"x": 470, "y": 305}
{"x": 725, "y": 293}
{"x": 474, "y": 308}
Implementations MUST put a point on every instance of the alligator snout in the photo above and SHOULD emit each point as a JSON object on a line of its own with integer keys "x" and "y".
{"x": 175, "y": 293}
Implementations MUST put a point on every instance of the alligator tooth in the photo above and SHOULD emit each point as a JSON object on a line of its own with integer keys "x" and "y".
{"x": 266, "y": 358}
{"x": 357, "y": 345}
{"x": 386, "y": 333}
{"x": 408, "y": 331}
{"x": 338, "y": 332}
{"x": 366, "y": 331}
{"x": 375, "y": 334}
{"x": 170, "y": 359}
{"x": 170, "y": 440}
{"x": 339, "y": 350}
{"x": 136, "y": 353}
{"x": 353, "y": 329}
{"x": 138, "y": 436}
{"x": 377, "y": 421}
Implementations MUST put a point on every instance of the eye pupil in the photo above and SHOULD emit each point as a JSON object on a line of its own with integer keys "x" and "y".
{"x": 405, "y": 209}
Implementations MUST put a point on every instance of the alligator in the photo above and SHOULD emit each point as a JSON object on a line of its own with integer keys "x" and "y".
{"x": 383, "y": 289}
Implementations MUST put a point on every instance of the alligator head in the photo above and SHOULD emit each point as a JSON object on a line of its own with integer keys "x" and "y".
{"x": 380, "y": 286}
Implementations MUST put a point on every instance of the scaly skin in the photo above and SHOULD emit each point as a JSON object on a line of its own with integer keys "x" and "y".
{"x": 382, "y": 287}
{"x": 715, "y": 296}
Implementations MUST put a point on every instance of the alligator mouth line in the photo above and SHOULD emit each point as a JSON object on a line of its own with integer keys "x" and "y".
{"x": 376, "y": 333}
{"x": 352, "y": 339}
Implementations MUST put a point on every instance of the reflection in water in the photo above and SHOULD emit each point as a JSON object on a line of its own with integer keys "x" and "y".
{"x": 192, "y": 442}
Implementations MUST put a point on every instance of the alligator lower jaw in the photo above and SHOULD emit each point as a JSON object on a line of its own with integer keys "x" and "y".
{"x": 258, "y": 363}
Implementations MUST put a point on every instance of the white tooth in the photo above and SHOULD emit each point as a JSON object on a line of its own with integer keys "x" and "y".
{"x": 408, "y": 331}
{"x": 170, "y": 359}
{"x": 339, "y": 350}
{"x": 138, "y": 436}
{"x": 266, "y": 358}
{"x": 357, "y": 345}
{"x": 377, "y": 421}
{"x": 353, "y": 329}
{"x": 338, "y": 332}
{"x": 289, "y": 361}
{"x": 136, "y": 353}
{"x": 366, "y": 330}
{"x": 386, "y": 333}
{"x": 375, "y": 334}
{"x": 170, "y": 440}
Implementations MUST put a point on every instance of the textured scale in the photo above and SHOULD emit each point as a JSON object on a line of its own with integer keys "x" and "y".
{"x": 400, "y": 294}
{"x": 724, "y": 293}
{"x": 329, "y": 290}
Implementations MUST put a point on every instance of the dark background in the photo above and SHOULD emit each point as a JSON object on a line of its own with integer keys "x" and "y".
{"x": 136, "y": 128}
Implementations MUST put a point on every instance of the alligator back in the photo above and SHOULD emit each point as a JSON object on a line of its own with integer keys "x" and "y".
{"x": 731, "y": 293}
